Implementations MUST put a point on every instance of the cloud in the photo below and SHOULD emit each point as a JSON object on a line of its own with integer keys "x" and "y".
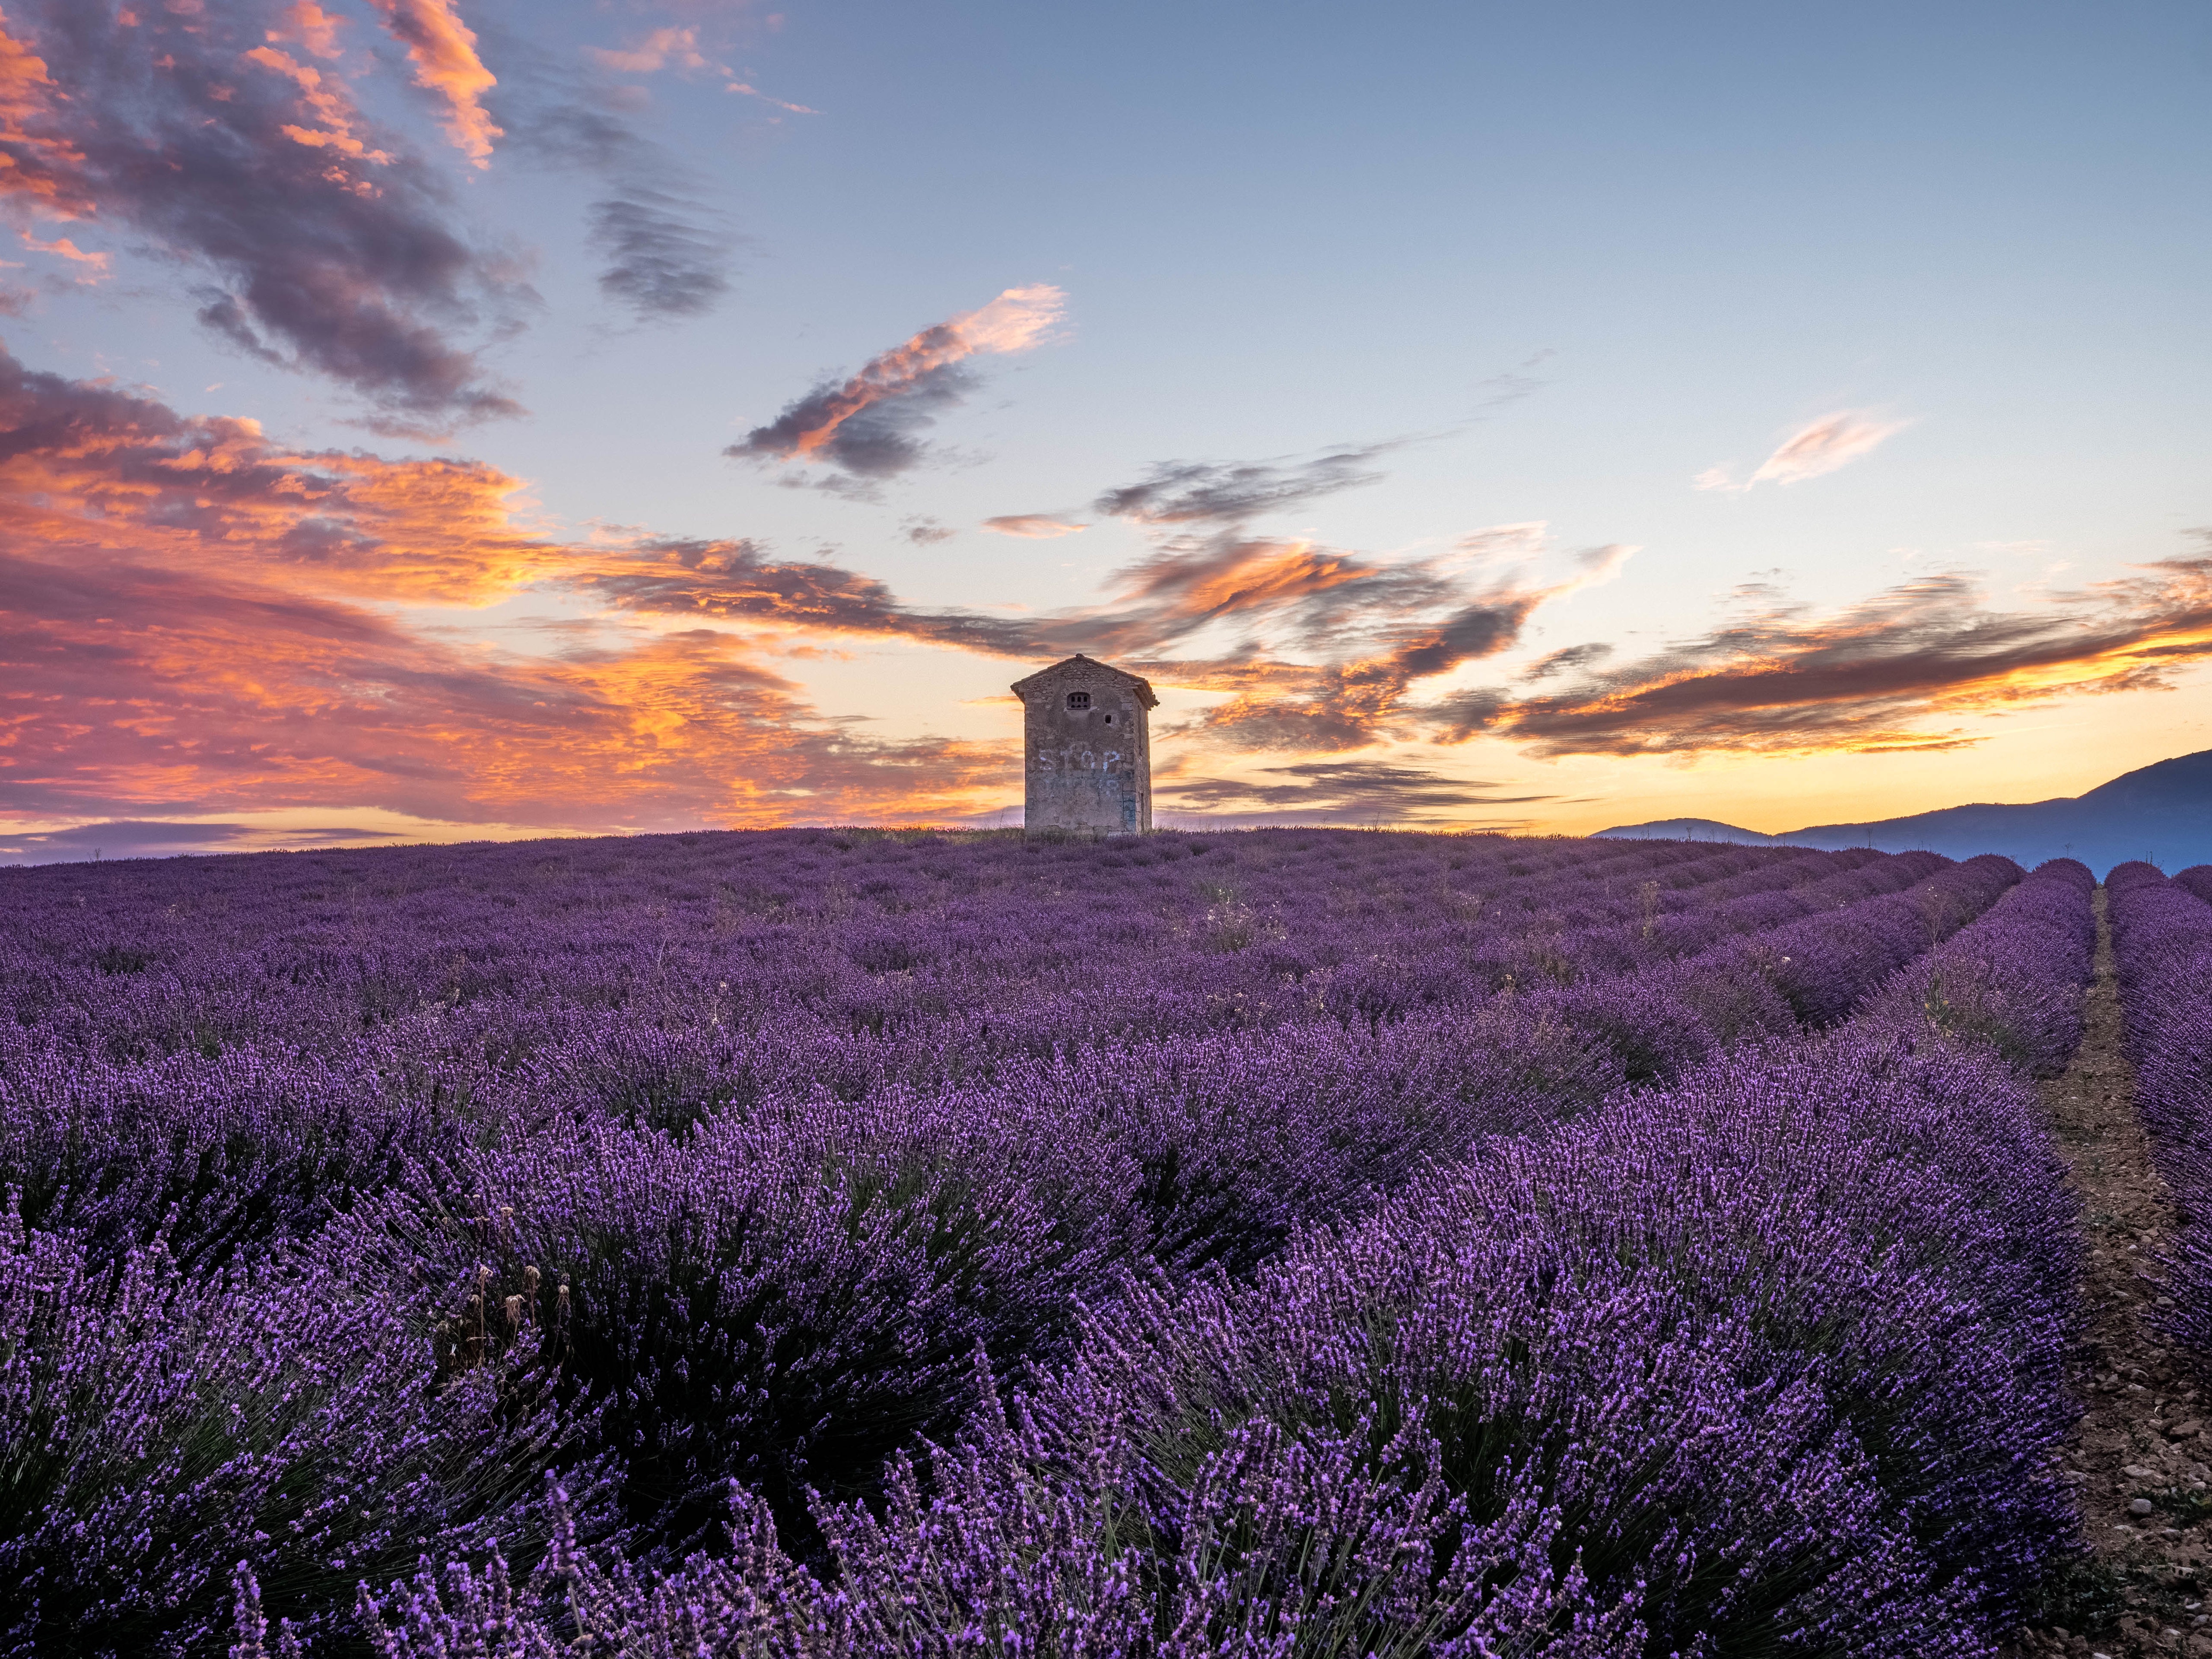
{"x": 1377, "y": 626}
{"x": 328, "y": 241}
{"x": 197, "y": 623}
{"x": 1570, "y": 659}
{"x": 658, "y": 50}
{"x": 866, "y": 424}
{"x": 137, "y": 691}
{"x": 1869, "y": 677}
{"x": 1335, "y": 792}
{"x": 90, "y": 471}
{"x": 1217, "y": 494}
{"x": 661, "y": 263}
{"x": 1818, "y": 447}
{"x": 443, "y": 50}
{"x": 668, "y": 253}
{"x": 778, "y": 103}
{"x": 62, "y": 248}
{"x": 1033, "y": 526}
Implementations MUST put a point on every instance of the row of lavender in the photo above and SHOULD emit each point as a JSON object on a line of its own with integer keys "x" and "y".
{"x": 666, "y": 1272}
{"x": 1769, "y": 1360}
{"x": 2162, "y": 955}
{"x": 1281, "y": 1119}
{"x": 983, "y": 945}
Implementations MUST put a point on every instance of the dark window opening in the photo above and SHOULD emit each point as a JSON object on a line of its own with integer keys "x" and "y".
{"x": 1109, "y": 720}
{"x": 1079, "y": 700}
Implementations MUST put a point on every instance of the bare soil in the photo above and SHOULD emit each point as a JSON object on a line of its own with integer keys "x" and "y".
{"x": 2143, "y": 1440}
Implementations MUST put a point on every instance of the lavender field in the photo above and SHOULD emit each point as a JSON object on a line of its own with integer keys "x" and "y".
{"x": 1280, "y": 1243}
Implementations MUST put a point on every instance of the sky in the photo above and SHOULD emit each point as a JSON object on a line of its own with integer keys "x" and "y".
{"x": 441, "y": 420}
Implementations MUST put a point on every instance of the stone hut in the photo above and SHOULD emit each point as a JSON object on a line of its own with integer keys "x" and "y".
{"x": 1087, "y": 753}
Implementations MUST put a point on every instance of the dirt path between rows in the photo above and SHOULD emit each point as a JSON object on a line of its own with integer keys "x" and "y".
{"x": 2141, "y": 1444}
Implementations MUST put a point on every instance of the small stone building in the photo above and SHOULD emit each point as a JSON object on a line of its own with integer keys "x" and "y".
{"x": 1087, "y": 753}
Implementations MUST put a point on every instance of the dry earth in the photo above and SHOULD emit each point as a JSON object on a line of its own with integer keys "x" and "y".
{"x": 2140, "y": 1456}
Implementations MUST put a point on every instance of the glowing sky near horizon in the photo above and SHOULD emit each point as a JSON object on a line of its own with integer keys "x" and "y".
{"x": 436, "y": 419}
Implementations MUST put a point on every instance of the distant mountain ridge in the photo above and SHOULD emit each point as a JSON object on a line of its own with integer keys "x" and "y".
{"x": 2162, "y": 812}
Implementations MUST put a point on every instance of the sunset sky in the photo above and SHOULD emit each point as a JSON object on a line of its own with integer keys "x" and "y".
{"x": 437, "y": 419}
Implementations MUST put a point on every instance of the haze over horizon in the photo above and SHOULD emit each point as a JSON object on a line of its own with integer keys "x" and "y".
{"x": 443, "y": 419}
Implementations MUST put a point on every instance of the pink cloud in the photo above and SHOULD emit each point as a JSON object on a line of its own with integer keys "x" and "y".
{"x": 1814, "y": 449}
{"x": 656, "y": 51}
{"x": 443, "y": 50}
{"x": 1033, "y": 527}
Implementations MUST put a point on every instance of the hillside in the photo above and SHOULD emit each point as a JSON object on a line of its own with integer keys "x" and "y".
{"x": 2161, "y": 813}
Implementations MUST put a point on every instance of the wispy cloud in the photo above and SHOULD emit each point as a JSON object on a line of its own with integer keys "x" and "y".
{"x": 63, "y": 248}
{"x": 865, "y": 423}
{"x": 443, "y": 50}
{"x": 663, "y": 48}
{"x": 1212, "y": 493}
{"x": 663, "y": 261}
{"x": 750, "y": 91}
{"x": 1033, "y": 526}
{"x": 1817, "y": 448}
{"x": 1340, "y": 791}
{"x": 668, "y": 252}
{"x": 674, "y": 48}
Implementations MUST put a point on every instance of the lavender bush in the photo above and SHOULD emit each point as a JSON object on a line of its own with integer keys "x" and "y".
{"x": 1770, "y": 1363}
{"x": 2014, "y": 979}
{"x": 785, "y": 1297}
{"x": 157, "y": 1427}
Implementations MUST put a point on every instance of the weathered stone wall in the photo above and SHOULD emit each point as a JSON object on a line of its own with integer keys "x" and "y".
{"x": 1089, "y": 768}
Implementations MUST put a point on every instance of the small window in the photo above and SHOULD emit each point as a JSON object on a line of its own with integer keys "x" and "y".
{"x": 1109, "y": 720}
{"x": 1079, "y": 700}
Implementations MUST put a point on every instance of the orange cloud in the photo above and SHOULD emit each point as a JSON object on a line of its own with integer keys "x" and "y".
{"x": 36, "y": 166}
{"x": 307, "y": 25}
{"x": 864, "y": 424}
{"x": 62, "y": 248}
{"x": 333, "y": 108}
{"x": 110, "y": 474}
{"x": 132, "y": 687}
{"x": 1820, "y": 446}
{"x": 1869, "y": 677}
{"x": 443, "y": 50}
{"x": 196, "y": 622}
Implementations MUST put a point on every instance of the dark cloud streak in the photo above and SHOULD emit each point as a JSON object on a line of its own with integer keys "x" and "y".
{"x": 661, "y": 263}
{"x": 1215, "y": 493}
{"x": 867, "y": 422}
{"x": 668, "y": 254}
{"x": 1324, "y": 792}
